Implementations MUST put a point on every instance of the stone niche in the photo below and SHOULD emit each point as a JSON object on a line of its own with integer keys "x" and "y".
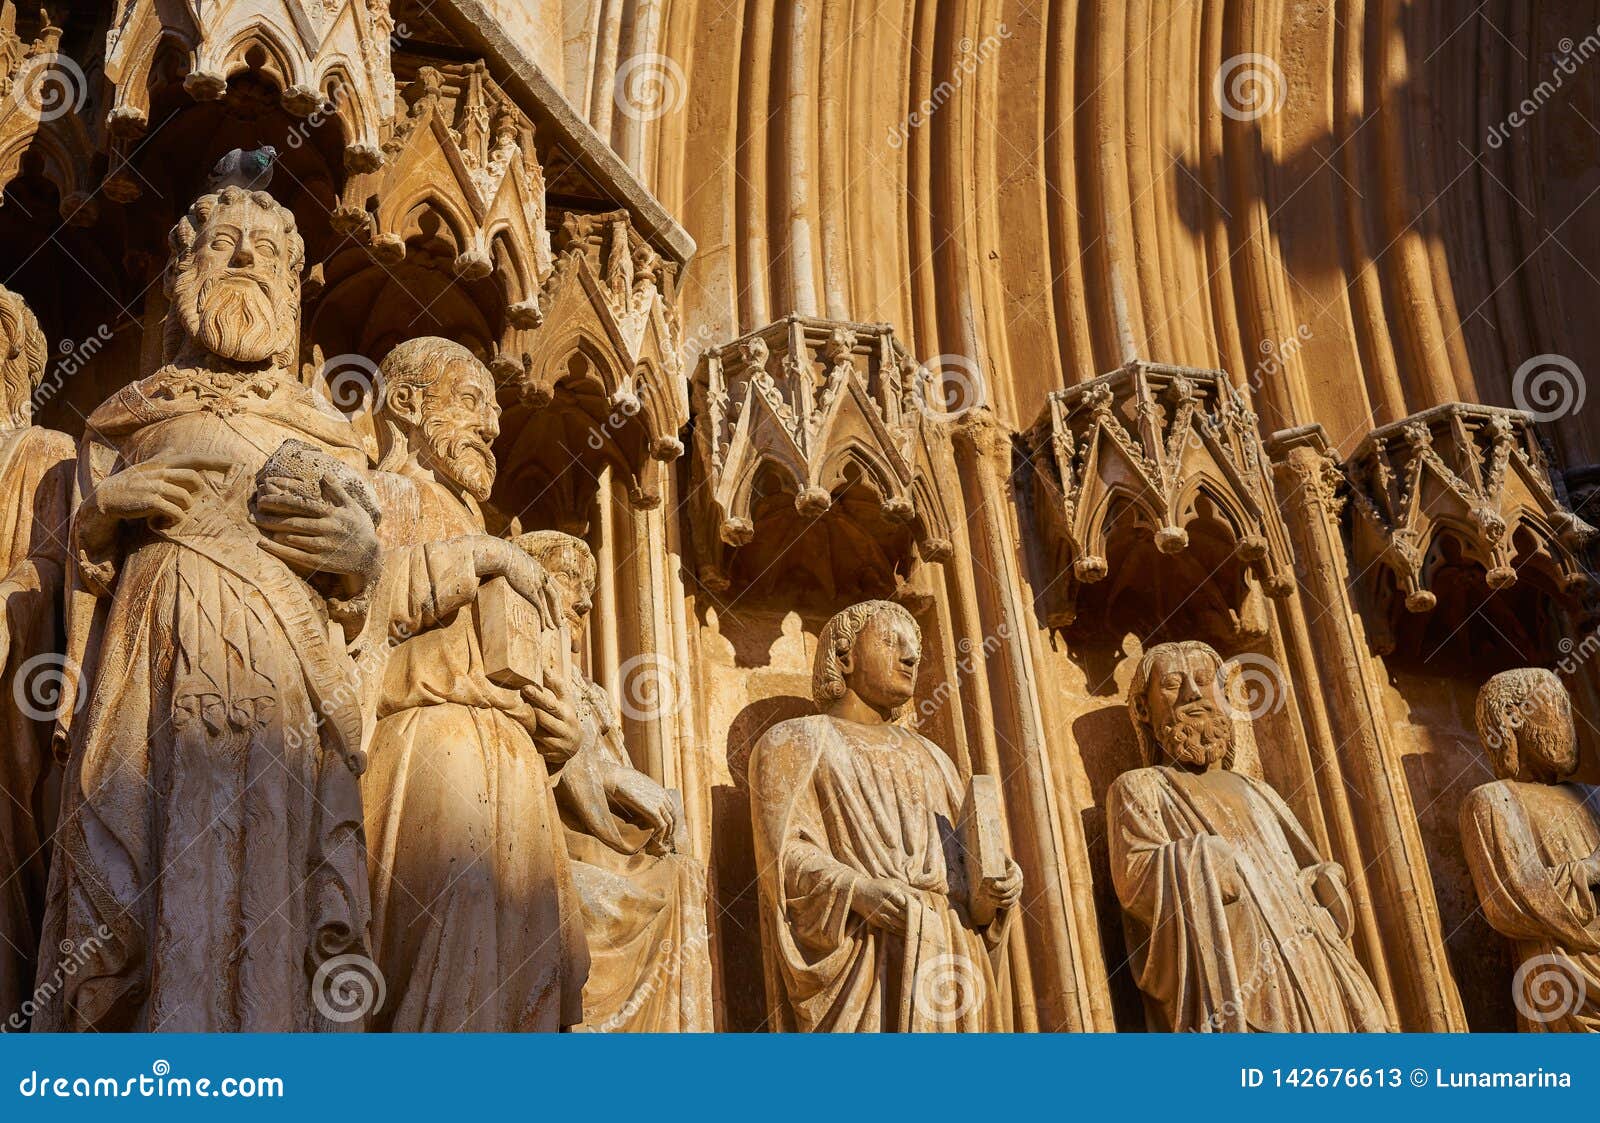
{"x": 1150, "y": 501}
{"x": 1467, "y": 560}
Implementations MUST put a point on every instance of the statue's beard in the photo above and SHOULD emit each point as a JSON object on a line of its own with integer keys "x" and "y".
{"x": 459, "y": 454}
{"x": 233, "y": 315}
{"x": 1197, "y": 739}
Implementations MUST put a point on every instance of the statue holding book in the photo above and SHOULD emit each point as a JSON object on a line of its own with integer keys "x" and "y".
{"x": 886, "y": 895}
{"x": 475, "y": 917}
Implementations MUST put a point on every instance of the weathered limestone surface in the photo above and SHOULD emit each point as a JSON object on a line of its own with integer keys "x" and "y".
{"x": 522, "y": 516}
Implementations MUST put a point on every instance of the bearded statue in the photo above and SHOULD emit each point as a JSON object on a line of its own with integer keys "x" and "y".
{"x": 210, "y": 859}
{"x": 1240, "y": 923}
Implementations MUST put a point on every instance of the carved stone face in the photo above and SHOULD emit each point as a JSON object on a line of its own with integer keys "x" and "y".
{"x": 1186, "y": 709}
{"x": 577, "y": 589}
{"x": 881, "y": 667}
{"x": 460, "y": 420}
{"x": 235, "y": 293}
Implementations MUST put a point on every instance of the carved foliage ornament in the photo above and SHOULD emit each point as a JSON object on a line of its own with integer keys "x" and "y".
{"x": 1154, "y": 448}
{"x": 822, "y": 404}
{"x": 1478, "y": 474}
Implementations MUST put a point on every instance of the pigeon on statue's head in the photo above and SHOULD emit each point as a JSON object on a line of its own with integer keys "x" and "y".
{"x": 250, "y": 170}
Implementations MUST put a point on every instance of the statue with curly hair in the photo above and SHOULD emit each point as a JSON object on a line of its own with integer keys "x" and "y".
{"x": 1239, "y": 922}
{"x": 1532, "y": 840}
{"x": 36, "y": 475}
{"x": 867, "y": 907}
{"x": 210, "y": 858}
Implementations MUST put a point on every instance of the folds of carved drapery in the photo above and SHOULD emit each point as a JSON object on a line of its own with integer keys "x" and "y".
{"x": 1169, "y": 452}
{"x": 1458, "y": 483}
{"x": 790, "y": 418}
{"x": 1400, "y": 931}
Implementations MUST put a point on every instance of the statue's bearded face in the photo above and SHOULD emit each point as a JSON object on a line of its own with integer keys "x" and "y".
{"x": 1546, "y": 745}
{"x": 235, "y": 291}
{"x": 577, "y": 590}
{"x": 882, "y": 664}
{"x": 460, "y": 420}
{"x": 1187, "y": 711}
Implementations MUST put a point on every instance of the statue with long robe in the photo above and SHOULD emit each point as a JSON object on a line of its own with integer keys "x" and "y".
{"x": 1532, "y": 841}
{"x": 870, "y": 919}
{"x": 1243, "y": 925}
{"x": 209, "y": 865}
{"x": 36, "y": 480}
{"x": 643, "y": 895}
{"x": 476, "y": 919}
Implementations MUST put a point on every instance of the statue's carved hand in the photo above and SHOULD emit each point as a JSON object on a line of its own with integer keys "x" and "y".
{"x": 335, "y": 536}
{"x": 560, "y": 733}
{"x": 994, "y": 894}
{"x": 529, "y": 580}
{"x": 164, "y": 486}
{"x": 882, "y": 903}
{"x": 647, "y": 803}
{"x": 1589, "y": 867}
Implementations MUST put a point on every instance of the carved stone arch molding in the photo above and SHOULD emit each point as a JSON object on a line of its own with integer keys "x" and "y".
{"x": 1460, "y": 500}
{"x": 1163, "y": 455}
{"x": 815, "y": 437}
{"x": 597, "y": 376}
{"x": 60, "y": 147}
{"x": 316, "y": 53}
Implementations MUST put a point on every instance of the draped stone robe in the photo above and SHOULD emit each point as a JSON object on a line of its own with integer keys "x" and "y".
{"x": 210, "y": 857}
{"x": 475, "y": 917}
{"x": 1523, "y": 843}
{"x": 644, "y": 914}
{"x": 1272, "y": 960}
{"x": 36, "y": 480}
{"x": 835, "y": 802}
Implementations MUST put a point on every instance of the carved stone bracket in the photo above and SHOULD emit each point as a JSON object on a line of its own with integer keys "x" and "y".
{"x": 1478, "y": 476}
{"x": 810, "y": 407}
{"x": 1150, "y": 449}
{"x": 320, "y": 52}
{"x": 606, "y": 348}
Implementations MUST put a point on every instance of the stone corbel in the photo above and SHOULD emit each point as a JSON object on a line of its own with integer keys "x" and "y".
{"x": 1476, "y": 475}
{"x": 606, "y": 348}
{"x": 812, "y": 407}
{"x": 1153, "y": 448}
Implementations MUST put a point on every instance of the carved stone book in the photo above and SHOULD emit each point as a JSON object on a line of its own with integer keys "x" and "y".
{"x": 517, "y": 647}
{"x": 981, "y": 844}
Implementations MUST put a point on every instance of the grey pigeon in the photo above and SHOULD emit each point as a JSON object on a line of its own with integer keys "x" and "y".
{"x": 250, "y": 170}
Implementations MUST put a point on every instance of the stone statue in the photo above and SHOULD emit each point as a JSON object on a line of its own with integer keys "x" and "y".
{"x": 475, "y": 917}
{"x": 1247, "y": 924}
{"x": 1533, "y": 845}
{"x": 866, "y": 902}
{"x": 644, "y": 898}
{"x": 210, "y": 859}
{"x": 36, "y": 483}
